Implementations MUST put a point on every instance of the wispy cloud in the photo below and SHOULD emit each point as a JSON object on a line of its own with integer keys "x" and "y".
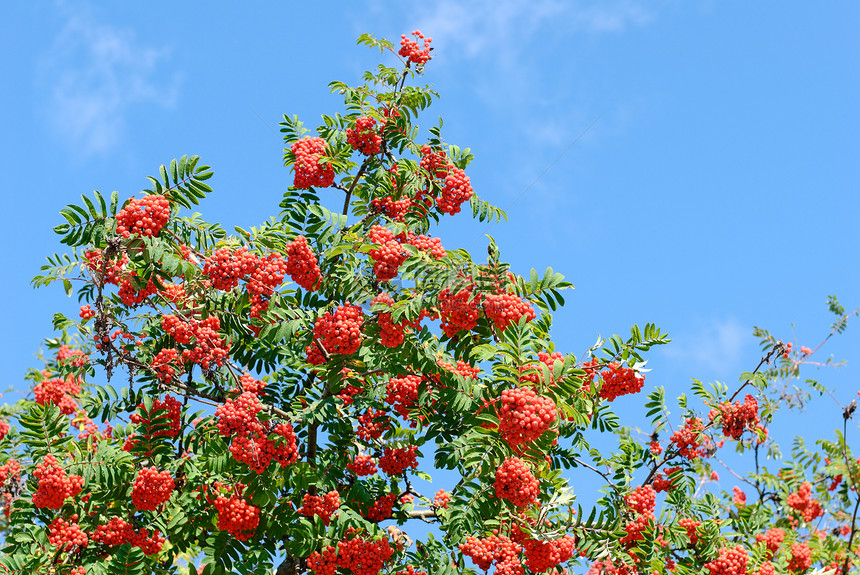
{"x": 716, "y": 346}
{"x": 94, "y": 76}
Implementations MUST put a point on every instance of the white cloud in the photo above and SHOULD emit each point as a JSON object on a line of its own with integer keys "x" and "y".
{"x": 94, "y": 75}
{"x": 717, "y": 346}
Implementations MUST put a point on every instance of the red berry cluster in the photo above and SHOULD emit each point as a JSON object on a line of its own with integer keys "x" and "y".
{"x": 267, "y": 275}
{"x": 394, "y": 209}
{"x": 505, "y": 309}
{"x": 690, "y": 525}
{"x": 163, "y": 364}
{"x": 442, "y": 499}
{"x": 688, "y": 440}
{"x": 410, "y": 49}
{"x": 309, "y": 171}
{"x": 371, "y": 424}
{"x": 802, "y": 501}
{"x": 396, "y": 461}
{"x": 151, "y": 488}
{"x": 87, "y": 312}
{"x": 731, "y": 561}
{"x": 737, "y": 418}
{"x": 54, "y": 485}
{"x": 250, "y": 442}
{"x": 130, "y": 294}
{"x": 402, "y": 394}
{"x": 619, "y": 381}
{"x": 390, "y": 334}
{"x": 547, "y": 554}
{"x": 302, "y": 264}
{"x": 338, "y": 332}
{"x": 226, "y": 266}
{"x": 144, "y": 217}
{"x": 655, "y": 447}
{"x": 388, "y": 256}
{"x": 458, "y": 189}
{"x": 364, "y": 137}
{"x": 801, "y": 558}
{"x": 462, "y": 368}
{"x": 381, "y": 509}
{"x": 533, "y": 372}
{"x": 362, "y": 465}
{"x": 525, "y": 415}
{"x": 739, "y": 498}
{"x": 78, "y": 358}
{"x": 458, "y": 311}
{"x": 516, "y": 483}
{"x": 771, "y": 539}
{"x": 58, "y": 391}
{"x": 208, "y": 346}
{"x": 105, "y": 270}
{"x": 237, "y": 517}
{"x": 164, "y": 420}
{"x": 66, "y": 534}
{"x": 324, "y": 506}
{"x": 498, "y": 549}
{"x": 431, "y": 246}
{"x": 363, "y": 557}
{"x": 642, "y": 500}
{"x": 116, "y": 532}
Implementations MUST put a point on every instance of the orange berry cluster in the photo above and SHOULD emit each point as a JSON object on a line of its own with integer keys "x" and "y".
{"x": 108, "y": 271}
{"x": 364, "y": 137}
{"x": 802, "y": 501}
{"x": 309, "y": 171}
{"x": 642, "y": 500}
{"x": 359, "y": 556}
{"x": 737, "y": 418}
{"x": 371, "y": 424}
{"x": 163, "y": 364}
{"x": 739, "y": 498}
{"x": 690, "y": 525}
{"x": 442, "y": 499}
{"x": 66, "y": 534}
{"x": 394, "y": 209}
{"x": 226, "y": 266}
{"x": 730, "y": 561}
{"x": 144, "y": 217}
{"x": 458, "y": 189}
{"x": 547, "y": 554}
{"x": 58, "y": 391}
{"x": 338, "y": 332}
{"x": 151, "y": 488}
{"x": 458, "y": 311}
{"x": 801, "y": 558}
{"x": 402, "y": 394}
{"x": 618, "y": 381}
{"x": 323, "y": 507}
{"x": 498, "y": 549}
{"x": 431, "y": 246}
{"x": 771, "y": 539}
{"x": 396, "y": 461}
{"x": 390, "y": 334}
{"x": 129, "y": 293}
{"x": 516, "y": 483}
{"x": 462, "y": 368}
{"x": 533, "y": 372}
{"x": 237, "y": 517}
{"x": 687, "y": 439}
{"x": 54, "y": 485}
{"x": 159, "y": 424}
{"x": 410, "y": 49}
{"x": 388, "y": 256}
{"x": 208, "y": 346}
{"x": 302, "y": 264}
{"x": 362, "y": 465}
{"x": 505, "y": 309}
{"x": 116, "y": 532}
{"x": 381, "y": 509}
{"x": 525, "y": 415}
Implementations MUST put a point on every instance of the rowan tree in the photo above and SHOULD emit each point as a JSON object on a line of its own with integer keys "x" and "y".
{"x": 269, "y": 399}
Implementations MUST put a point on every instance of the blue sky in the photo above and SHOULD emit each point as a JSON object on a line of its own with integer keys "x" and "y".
{"x": 717, "y": 190}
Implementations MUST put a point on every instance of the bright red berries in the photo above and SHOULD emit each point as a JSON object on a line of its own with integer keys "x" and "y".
{"x": 688, "y": 440}
{"x": 323, "y": 507}
{"x": 505, "y": 309}
{"x": 690, "y": 525}
{"x": 642, "y": 500}
{"x": 302, "y": 264}
{"x": 739, "y": 498}
{"x": 226, "y": 266}
{"x": 396, "y": 461}
{"x": 516, "y": 483}
{"x": 381, "y": 509}
{"x": 737, "y": 418}
{"x": 458, "y": 189}
{"x": 496, "y": 549}
{"x": 458, "y": 311}
{"x": 338, "y": 332}
{"x": 58, "y": 391}
{"x": 771, "y": 538}
{"x": 618, "y": 381}
{"x": 388, "y": 256}
{"x": 442, "y": 499}
{"x": 309, "y": 171}
{"x": 237, "y": 517}
{"x": 402, "y": 394}
{"x": 151, "y": 488}
{"x": 801, "y": 558}
{"x": 54, "y": 485}
{"x": 802, "y": 501}
{"x": 547, "y": 554}
{"x": 66, "y": 534}
{"x": 731, "y": 561}
{"x": 362, "y": 465}
{"x": 524, "y": 415}
{"x": 145, "y": 217}
{"x": 364, "y": 137}
{"x": 411, "y": 50}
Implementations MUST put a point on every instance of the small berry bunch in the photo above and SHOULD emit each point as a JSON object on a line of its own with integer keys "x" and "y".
{"x": 381, "y": 509}
{"x": 130, "y": 292}
{"x": 58, "y": 391}
{"x": 163, "y": 364}
{"x": 151, "y": 488}
{"x": 309, "y": 170}
{"x": 736, "y": 417}
{"x": 105, "y": 270}
{"x": 163, "y": 420}
{"x": 54, "y": 485}
{"x": 534, "y": 373}
{"x": 516, "y": 483}
{"x": 362, "y": 465}
{"x": 690, "y": 525}
{"x": 388, "y": 256}
{"x": 431, "y": 246}
{"x": 462, "y": 368}
{"x": 772, "y": 538}
{"x": 302, "y": 264}
{"x": 525, "y": 415}
{"x": 371, "y": 424}
{"x": 730, "y": 561}
{"x": 391, "y": 334}
{"x": 547, "y": 554}
{"x": 456, "y": 191}
{"x": 618, "y": 381}
{"x": 117, "y": 532}
{"x": 402, "y": 394}
{"x": 226, "y": 266}
{"x": 323, "y": 507}
{"x": 145, "y": 217}
{"x": 364, "y": 137}
{"x": 458, "y": 311}
{"x": 801, "y": 501}
{"x": 739, "y": 498}
{"x": 394, "y": 461}
{"x": 498, "y": 549}
{"x": 66, "y": 534}
{"x": 442, "y": 499}
{"x": 688, "y": 439}
{"x": 338, "y": 332}
{"x": 237, "y": 517}
{"x": 801, "y": 558}
{"x": 412, "y": 51}
{"x": 505, "y": 309}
